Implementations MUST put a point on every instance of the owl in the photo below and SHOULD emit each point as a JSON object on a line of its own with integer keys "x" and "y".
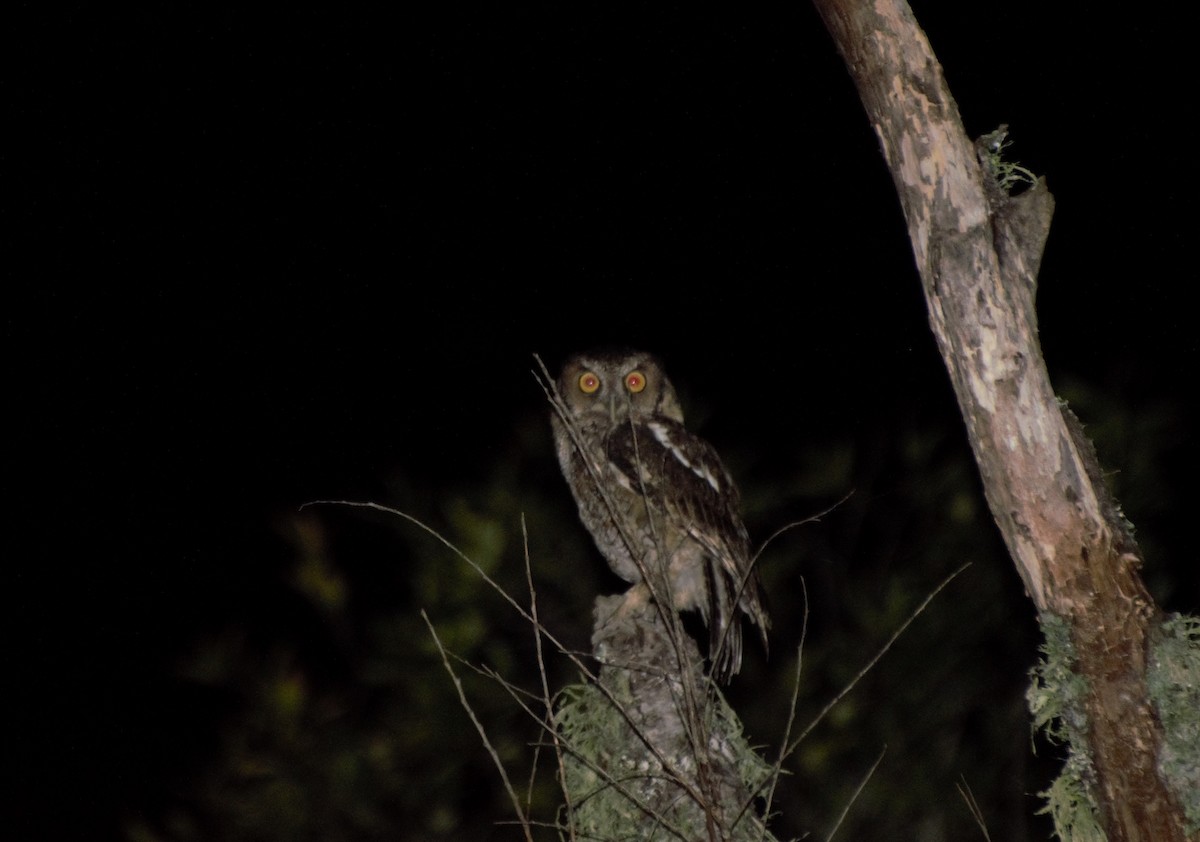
{"x": 655, "y": 497}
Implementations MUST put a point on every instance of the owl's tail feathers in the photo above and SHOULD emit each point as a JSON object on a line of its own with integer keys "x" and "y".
{"x": 760, "y": 619}
{"x": 750, "y": 598}
{"x": 725, "y": 647}
{"x": 754, "y": 603}
{"x": 724, "y": 625}
{"x": 728, "y": 600}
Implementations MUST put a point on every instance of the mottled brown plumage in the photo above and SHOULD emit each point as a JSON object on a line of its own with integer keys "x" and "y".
{"x": 649, "y": 490}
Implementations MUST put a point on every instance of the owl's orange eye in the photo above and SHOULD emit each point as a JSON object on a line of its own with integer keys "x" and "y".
{"x": 588, "y": 383}
{"x": 635, "y": 381}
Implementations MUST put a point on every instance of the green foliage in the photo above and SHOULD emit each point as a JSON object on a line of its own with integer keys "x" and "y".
{"x": 1005, "y": 174}
{"x": 590, "y": 726}
{"x": 602, "y": 784}
{"x": 1056, "y": 694}
{"x": 1174, "y": 683}
{"x": 1056, "y": 690}
{"x": 1070, "y": 804}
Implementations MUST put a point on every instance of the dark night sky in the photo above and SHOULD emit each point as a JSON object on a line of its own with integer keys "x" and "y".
{"x": 273, "y": 257}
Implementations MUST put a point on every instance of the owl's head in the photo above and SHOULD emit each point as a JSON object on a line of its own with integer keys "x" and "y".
{"x": 617, "y": 385}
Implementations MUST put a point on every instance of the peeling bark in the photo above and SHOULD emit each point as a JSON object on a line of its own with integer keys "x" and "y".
{"x": 978, "y": 253}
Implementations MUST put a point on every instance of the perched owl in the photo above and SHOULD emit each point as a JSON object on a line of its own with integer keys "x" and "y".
{"x": 656, "y": 496}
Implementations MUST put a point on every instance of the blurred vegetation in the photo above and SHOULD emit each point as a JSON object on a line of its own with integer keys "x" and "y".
{"x": 338, "y": 721}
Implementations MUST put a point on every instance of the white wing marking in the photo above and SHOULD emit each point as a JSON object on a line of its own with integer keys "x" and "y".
{"x": 702, "y": 471}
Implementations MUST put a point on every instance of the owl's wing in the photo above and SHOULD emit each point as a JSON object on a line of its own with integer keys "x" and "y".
{"x": 684, "y": 482}
{"x": 681, "y": 473}
{"x": 682, "y": 476}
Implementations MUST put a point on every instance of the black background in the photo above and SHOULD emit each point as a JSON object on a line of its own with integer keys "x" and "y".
{"x": 263, "y": 257}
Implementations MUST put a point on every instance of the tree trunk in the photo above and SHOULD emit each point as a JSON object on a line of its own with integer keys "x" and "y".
{"x": 653, "y": 750}
{"x": 978, "y": 252}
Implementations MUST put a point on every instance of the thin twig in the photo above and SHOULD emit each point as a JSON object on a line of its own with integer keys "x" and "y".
{"x": 791, "y": 720}
{"x": 547, "y": 700}
{"x": 429, "y": 530}
{"x": 462, "y": 697}
{"x": 787, "y": 527}
{"x": 969, "y": 797}
{"x": 857, "y": 792}
{"x": 871, "y": 663}
{"x": 690, "y": 717}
